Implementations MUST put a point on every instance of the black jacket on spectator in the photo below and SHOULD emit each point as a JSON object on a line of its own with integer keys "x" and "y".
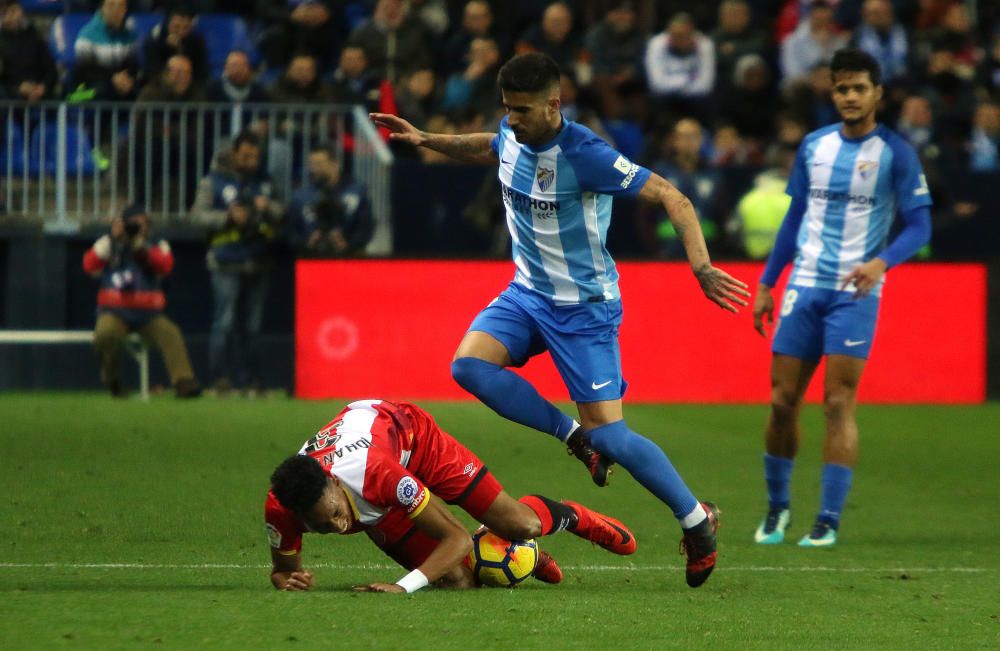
{"x": 25, "y": 56}
{"x": 156, "y": 51}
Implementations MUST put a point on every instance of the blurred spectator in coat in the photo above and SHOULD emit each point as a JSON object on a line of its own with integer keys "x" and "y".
{"x": 680, "y": 67}
{"x": 615, "y": 47}
{"x": 751, "y": 88}
{"x": 237, "y": 83}
{"x": 237, "y": 170}
{"x": 554, "y": 36}
{"x": 107, "y": 63}
{"x": 131, "y": 267}
{"x": 476, "y": 85}
{"x": 984, "y": 143}
{"x": 988, "y": 73}
{"x": 394, "y": 43}
{"x": 477, "y": 22}
{"x": 735, "y": 38}
{"x": 882, "y": 37}
{"x": 27, "y": 69}
{"x": 812, "y": 43}
{"x": 330, "y": 216}
{"x": 759, "y": 213}
{"x": 351, "y": 82}
{"x": 301, "y": 84}
{"x": 312, "y": 26}
{"x": 175, "y": 35}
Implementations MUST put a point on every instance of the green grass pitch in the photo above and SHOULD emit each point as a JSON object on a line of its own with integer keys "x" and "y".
{"x": 127, "y": 525}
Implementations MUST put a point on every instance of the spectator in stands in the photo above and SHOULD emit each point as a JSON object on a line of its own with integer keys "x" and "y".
{"x": 415, "y": 97}
{"x": 809, "y": 98}
{"x": 882, "y": 37}
{"x": 432, "y": 16}
{"x": 175, "y": 83}
{"x": 735, "y": 38}
{"x": 394, "y": 43}
{"x": 916, "y": 123}
{"x": 175, "y": 35}
{"x": 107, "y": 63}
{"x": 984, "y": 144}
{"x": 615, "y": 47}
{"x": 554, "y": 36}
{"x": 240, "y": 262}
{"x": 330, "y": 216}
{"x": 988, "y": 73}
{"x": 953, "y": 34}
{"x": 301, "y": 84}
{"x": 680, "y": 67}
{"x": 131, "y": 268}
{"x": 751, "y": 89}
{"x": 351, "y": 82}
{"x": 476, "y": 86}
{"x": 311, "y": 26}
{"x": 477, "y": 22}
{"x": 812, "y": 43}
{"x": 947, "y": 84}
{"x": 27, "y": 69}
{"x": 237, "y": 83}
{"x": 759, "y": 213}
{"x": 683, "y": 166}
{"x": 236, "y": 170}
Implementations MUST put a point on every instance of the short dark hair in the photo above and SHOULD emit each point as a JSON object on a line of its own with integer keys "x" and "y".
{"x": 299, "y": 482}
{"x": 529, "y": 73}
{"x": 854, "y": 60}
{"x": 246, "y": 137}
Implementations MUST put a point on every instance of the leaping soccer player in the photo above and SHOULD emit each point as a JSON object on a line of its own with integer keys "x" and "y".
{"x": 386, "y": 468}
{"x": 849, "y": 181}
{"x": 557, "y": 180}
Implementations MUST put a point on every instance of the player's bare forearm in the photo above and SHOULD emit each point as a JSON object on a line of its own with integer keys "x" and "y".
{"x": 455, "y": 543}
{"x": 683, "y": 218}
{"x": 469, "y": 147}
{"x": 287, "y": 573}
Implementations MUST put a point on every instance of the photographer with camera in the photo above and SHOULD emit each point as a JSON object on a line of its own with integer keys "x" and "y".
{"x": 239, "y": 259}
{"x": 329, "y": 217}
{"x": 131, "y": 299}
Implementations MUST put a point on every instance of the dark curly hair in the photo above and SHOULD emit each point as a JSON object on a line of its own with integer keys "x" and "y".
{"x": 853, "y": 60}
{"x": 528, "y": 73}
{"x": 299, "y": 482}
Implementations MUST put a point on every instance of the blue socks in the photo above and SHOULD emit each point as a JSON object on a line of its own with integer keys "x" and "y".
{"x": 511, "y": 396}
{"x": 836, "y": 485}
{"x": 646, "y": 462}
{"x": 778, "y": 475}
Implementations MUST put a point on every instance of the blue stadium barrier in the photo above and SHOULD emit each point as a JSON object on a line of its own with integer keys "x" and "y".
{"x": 43, "y": 150}
{"x": 12, "y": 151}
{"x": 224, "y": 33}
{"x": 42, "y": 6}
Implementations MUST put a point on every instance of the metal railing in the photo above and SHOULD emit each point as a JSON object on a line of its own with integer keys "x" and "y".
{"x": 69, "y": 164}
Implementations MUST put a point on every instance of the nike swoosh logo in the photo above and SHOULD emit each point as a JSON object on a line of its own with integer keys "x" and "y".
{"x": 624, "y": 534}
{"x": 506, "y": 162}
{"x": 852, "y": 344}
{"x": 595, "y": 386}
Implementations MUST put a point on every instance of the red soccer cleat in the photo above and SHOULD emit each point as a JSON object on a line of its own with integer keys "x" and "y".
{"x": 547, "y": 570}
{"x": 602, "y": 530}
{"x": 699, "y": 545}
{"x": 598, "y": 465}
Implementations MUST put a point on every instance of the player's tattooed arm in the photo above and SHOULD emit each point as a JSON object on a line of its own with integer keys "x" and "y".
{"x": 719, "y": 287}
{"x": 471, "y": 147}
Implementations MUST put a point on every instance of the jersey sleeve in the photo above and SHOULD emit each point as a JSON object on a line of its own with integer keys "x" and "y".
{"x": 798, "y": 179}
{"x": 908, "y": 178}
{"x": 600, "y": 168}
{"x": 284, "y": 530}
{"x": 389, "y": 485}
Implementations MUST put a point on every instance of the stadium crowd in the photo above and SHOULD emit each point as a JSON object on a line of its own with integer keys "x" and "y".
{"x": 713, "y": 95}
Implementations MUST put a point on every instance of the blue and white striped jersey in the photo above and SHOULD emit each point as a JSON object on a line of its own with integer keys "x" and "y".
{"x": 852, "y": 189}
{"x": 558, "y": 202}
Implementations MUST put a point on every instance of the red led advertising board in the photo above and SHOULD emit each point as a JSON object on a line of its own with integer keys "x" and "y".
{"x": 389, "y": 329}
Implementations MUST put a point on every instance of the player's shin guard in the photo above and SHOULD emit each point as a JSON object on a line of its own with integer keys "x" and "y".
{"x": 511, "y": 396}
{"x": 647, "y": 463}
{"x": 554, "y": 516}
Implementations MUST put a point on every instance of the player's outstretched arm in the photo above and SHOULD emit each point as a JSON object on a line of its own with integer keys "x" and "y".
{"x": 470, "y": 147}
{"x": 287, "y": 572}
{"x": 719, "y": 287}
{"x": 454, "y": 544}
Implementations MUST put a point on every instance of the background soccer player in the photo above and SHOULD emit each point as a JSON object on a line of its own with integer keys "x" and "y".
{"x": 848, "y": 182}
{"x": 557, "y": 180}
{"x": 384, "y": 469}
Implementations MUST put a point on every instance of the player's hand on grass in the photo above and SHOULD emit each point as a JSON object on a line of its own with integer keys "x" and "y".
{"x": 865, "y": 277}
{"x": 299, "y": 582}
{"x": 763, "y": 309}
{"x": 379, "y": 587}
{"x": 721, "y": 288}
{"x": 399, "y": 129}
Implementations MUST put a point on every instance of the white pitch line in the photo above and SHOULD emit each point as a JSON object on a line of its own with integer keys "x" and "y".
{"x": 580, "y": 568}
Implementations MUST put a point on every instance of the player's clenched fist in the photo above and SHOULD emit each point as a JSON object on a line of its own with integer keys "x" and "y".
{"x": 299, "y": 581}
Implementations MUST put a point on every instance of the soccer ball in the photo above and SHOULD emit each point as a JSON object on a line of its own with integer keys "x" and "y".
{"x": 499, "y": 562}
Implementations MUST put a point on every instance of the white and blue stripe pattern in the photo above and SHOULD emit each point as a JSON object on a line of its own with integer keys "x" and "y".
{"x": 558, "y": 226}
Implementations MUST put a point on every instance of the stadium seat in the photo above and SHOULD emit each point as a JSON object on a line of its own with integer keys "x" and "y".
{"x": 62, "y": 36}
{"x": 356, "y": 13}
{"x": 42, "y": 6}
{"x": 13, "y": 146}
{"x": 144, "y": 24}
{"x": 224, "y": 33}
{"x": 79, "y": 156}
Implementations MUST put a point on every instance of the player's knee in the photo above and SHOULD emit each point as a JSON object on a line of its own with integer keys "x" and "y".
{"x": 784, "y": 403}
{"x": 838, "y": 403}
{"x": 470, "y": 373}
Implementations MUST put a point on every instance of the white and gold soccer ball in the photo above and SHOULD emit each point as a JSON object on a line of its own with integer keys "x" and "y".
{"x": 499, "y": 562}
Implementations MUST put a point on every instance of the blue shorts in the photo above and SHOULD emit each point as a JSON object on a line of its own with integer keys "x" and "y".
{"x": 815, "y": 322}
{"x": 582, "y": 339}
